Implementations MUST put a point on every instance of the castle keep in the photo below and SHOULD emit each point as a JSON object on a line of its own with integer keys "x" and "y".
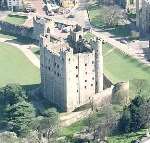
{"x": 71, "y": 69}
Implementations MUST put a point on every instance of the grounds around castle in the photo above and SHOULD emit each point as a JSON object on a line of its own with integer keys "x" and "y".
{"x": 16, "y": 68}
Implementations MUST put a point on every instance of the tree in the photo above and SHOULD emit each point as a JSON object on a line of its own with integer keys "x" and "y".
{"x": 13, "y": 94}
{"x": 113, "y": 15}
{"x": 20, "y": 117}
{"x": 47, "y": 125}
{"x": 125, "y": 121}
{"x": 136, "y": 115}
{"x": 9, "y": 95}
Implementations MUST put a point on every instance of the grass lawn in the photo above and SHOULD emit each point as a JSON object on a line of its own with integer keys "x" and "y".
{"x": 15, "y": 19}
{"x": 120, "y": 67}
{"x": 126, "y": 138}
{"x": 36, "y": 51}
{"x": 16, "y": 68}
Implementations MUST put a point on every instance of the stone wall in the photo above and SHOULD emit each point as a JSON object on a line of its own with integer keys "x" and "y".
{"x": 16, "y": 30}
{"x": 99, "y": 100}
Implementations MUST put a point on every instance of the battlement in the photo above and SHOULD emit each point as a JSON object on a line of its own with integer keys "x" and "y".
{"x": 74, "y": 43}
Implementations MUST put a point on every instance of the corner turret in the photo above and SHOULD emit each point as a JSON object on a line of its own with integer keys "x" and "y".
{"x": 98, "y": 66}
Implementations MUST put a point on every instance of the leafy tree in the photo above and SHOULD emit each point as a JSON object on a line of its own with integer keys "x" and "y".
{"x": 9, "y": 95}
{"x": 12, "y": 94}
{"x": 125, "y": 121}
{"x": 20, "y": 117}
{"x": 136, "y": 115}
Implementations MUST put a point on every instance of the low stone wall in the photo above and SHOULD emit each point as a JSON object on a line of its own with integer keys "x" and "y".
{"x": 16, "y": 29}
{"x": 100, "y": 99}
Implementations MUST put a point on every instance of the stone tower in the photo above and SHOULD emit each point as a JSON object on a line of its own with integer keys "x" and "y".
{"x": 71, "y": 70}
{"x": 98, "y": 66}
{"x": 138, "y": 13}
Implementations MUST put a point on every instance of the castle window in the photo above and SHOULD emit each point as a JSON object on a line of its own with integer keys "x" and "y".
{"x": 92, "y": 62}
{"x": 48, "y": 30}
{"x": 69, "y": 59}
{"x": 91, "y": 84}
{"x": 57, "y": 66}
{"x": 85, "y": 72}
{"x": 92, "y": 78}
{"x": 85, "y": 80}
{"x": 85, "y": 87}
{"x": 76, "y": 67}
{"x": 76, "y": 75}
{"x": 85, "y": 64}
{"x": 77, "y": 90}
{"x": 49, "y": 68}
{"x": 58, "y": 74}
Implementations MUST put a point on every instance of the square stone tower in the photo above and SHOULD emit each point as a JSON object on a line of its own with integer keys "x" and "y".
{"x": 71, "y": 70}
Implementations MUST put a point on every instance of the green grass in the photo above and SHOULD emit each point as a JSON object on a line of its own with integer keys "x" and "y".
{"x": 98, "y": 117}
{"x": 120, "y": 67}
{"x": 16, "y": 19}
{"x": 74, "y": 128}
{"x": 36, "y": 51}
{"x": 139, "y": 87}
{"x": 16, "y": 68}
{"x": 95, "y": 14}
{"x": 126, "y": 138}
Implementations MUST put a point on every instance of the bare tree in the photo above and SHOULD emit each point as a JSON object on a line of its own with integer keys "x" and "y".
{"x": 113, "y": 15}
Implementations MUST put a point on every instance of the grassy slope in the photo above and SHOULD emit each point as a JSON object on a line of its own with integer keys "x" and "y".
{"x": 15, "y": 19}
{"x": 119, "y": 67}
{"x": 16, "y": 68}
{"x": 126, "y": 138}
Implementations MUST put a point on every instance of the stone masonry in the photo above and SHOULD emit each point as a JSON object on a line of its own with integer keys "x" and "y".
{"x": 71, "y": 69}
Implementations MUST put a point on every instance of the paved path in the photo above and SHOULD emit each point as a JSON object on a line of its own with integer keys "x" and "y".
{"x": 24, "y": 49}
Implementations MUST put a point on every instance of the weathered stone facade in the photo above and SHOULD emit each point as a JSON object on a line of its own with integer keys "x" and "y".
{"x": 143, "y": 16}
{"x": 71, "y": 70}
{"x": 40, "y": 25}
